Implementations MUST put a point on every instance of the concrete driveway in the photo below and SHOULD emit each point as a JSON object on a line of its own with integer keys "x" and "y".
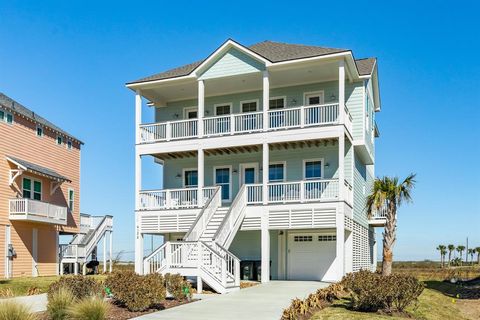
{"x": 265, "y": 301}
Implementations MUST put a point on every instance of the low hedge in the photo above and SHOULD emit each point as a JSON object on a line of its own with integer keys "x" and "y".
{"x": 372, "y": 292}
{"x": 80, "y": 286}
{"x": 177, "y": 286}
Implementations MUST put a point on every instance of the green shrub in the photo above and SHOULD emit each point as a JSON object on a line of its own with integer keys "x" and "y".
{"x": 10, "y": 310}
{"x": 178, "y": 287}
{"x": 136, "y": 292}
{"x": 80, "y": 286}
{"x": 372, "y": 292}
{"x": 58, "y": 303}
{"x": 90, "y": 308}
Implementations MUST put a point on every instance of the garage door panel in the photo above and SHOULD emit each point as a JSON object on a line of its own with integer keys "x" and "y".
{"x": 310, "y": 255}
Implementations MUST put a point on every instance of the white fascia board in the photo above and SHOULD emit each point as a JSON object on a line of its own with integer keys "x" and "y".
{"x": 153, "y": 83}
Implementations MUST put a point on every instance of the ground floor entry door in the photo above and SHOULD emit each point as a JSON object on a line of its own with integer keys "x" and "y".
{"x": 248, "y": 173}
{"x": 310, "y": 255}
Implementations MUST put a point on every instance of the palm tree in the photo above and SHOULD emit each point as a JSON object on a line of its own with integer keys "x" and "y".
{"x": 443, "y": 251}
{"x": 471, "y": 252}
{"x": 460, "y": 250}
{"x": 389, "y": 192}
{"x": 451, "y": 248}
{"x": 477, "y": 249}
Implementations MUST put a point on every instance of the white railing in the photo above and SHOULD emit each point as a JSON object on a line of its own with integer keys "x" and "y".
{"x": 200, "y": 224}
{"x": 173, "y": 198}
{"x": 230, "y": 224}
{"x": 216, "y": 262}
{"x": 28, "y": 208}
{"x": 348, "y": 192}
{"x": 381, "y": 213}
{"x": 348, "y": 120}
{"x": 248, "y": 122}
{"x": 254, "y": 193}
{"x": 303, "y": 116}
{"x": 100, "y": 224}
{"x": 303, "y": 191}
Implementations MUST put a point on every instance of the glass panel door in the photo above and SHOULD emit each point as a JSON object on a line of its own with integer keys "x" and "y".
{"x": 222, "y": 179}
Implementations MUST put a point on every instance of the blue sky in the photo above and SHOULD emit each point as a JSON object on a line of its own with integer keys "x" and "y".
{"x": 69, "y": 61}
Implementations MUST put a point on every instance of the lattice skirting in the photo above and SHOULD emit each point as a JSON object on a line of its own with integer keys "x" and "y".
{"x": 363, "y": 248}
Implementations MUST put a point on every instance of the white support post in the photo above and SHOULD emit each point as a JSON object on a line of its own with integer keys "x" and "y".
{"x": 265, "y": 168}
{"x": 341, "y": 92}
{"x": 201, "y": 176}
{"x": 138, "y": 115}
{"x": 105, "y": 253}
{"x": 200, "y": 264}
{"x": 341, "y": 167}
{"x": 340, "y": 244}
{"x": 75, "y": 268}
{"x": 138, "y": 234}
{"x": 348, "y": 251}
{"x": 84, "y": 269}
{"x": 110, "y": 251}
{"x": 266, "y": 99}
{"x": 201, "y": 106}
{"x": 265, "y": 251}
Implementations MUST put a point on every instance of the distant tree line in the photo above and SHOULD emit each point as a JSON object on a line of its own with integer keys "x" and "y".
{"x": 453, "y": 260}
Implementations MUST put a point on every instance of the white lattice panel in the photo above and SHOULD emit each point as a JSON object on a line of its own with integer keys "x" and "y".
{"x": 362, "y": 247}
{"x": 164, "y": 223}
{"x": 301, "y": 218}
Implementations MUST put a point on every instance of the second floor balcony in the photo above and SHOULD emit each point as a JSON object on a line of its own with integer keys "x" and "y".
{"x": 245, "y": 123}
{"x": 37, "y": 211}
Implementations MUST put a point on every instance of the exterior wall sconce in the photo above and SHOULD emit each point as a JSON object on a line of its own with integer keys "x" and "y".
{"x": 175, "y": 115}
{"x": 178, "y": 176}
{"x": 327, "y": 165}
{"x": 333, "y": 97}
{"x": 294, "y": 101}
{"x": 235, "y": 171}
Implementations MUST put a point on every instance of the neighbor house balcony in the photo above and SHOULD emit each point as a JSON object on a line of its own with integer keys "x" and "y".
{"x": 303, "y": 191}
{"x": 37, "y": 211}
{"x": 246, "y": 123}
{"x": 379, "y": 217}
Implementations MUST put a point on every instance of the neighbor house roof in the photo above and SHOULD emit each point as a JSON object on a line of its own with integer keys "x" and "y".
{"x": 272, "y": 51}
{"x": 18, "y": 108}
{"x": 35, "y": 168}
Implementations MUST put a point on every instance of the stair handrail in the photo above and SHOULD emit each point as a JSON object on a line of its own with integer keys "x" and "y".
{"x": 92, "y": 240}
{"x": 232, "y": 219}
{"x": 156, "y": 258}
{"x": 232, "y": 262}
{"x": 207, "y": 212}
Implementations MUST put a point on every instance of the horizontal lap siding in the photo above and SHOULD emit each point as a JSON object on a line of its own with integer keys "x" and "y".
{"x": 354, "y": 100}
{"x": 19, "y": 140}
{"x": 359, "y": 198}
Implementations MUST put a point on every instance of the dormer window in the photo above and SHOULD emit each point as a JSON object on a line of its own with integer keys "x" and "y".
{"x": 6, "y": 116}
{"x": 69, "y": 145}
{"x": 59, "y": 140}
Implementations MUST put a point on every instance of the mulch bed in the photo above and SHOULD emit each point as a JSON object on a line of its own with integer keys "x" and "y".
{"x": 121, "y": 313}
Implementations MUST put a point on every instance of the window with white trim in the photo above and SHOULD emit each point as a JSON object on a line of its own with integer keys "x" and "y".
{"x": 222, "y": 110}
{"x": 69, "y": 145}
{"x": 277, "y": 103}
{"x": 276, "y": 172}
{"x": 6, "y": 117}
{"x": 71, "y": 199}
{"x": 222, "y": 179}
{"x": 59, "y": 140}
{"x": 313, "y": 169}
{"x": 323, "y": 238}
{"x": 190, "y": 178}
{"x": 314, "y": 98}
{"x": 32, "y": 189}
{"x": 249, "y": 106}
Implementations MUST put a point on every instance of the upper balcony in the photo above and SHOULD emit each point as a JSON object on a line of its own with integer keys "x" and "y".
{"x": 37, "y": 211}
{"x": 245, "y": 123}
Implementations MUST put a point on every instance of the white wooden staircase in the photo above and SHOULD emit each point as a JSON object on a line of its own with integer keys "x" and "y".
{"x": 204, "y": 251}
{"x": 92, "y": 230}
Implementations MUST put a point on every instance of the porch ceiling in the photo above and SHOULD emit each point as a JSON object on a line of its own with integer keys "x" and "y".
{"x": 247, "y": 149}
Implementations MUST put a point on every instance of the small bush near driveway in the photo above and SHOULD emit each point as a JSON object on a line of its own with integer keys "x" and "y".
{"x": 80, "y": 286}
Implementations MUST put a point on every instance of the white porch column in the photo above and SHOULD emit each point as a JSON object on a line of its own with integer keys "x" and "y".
{"x": 138, "y": 115}
{"x": 105, "y": 253}
{"x": 340, "y": 244}
{"x": 265, "y": 165}
{"x": 266, "y": 99}
{"x": 341, "y": 91}
{"x": 110, "y": 251}
{"x": 265, "y": 235}
{"x": 138, "y": 235}
{"x": 201, "y": 106}
{"x": 341, "y": 167}
{"x": 201, "y": 175}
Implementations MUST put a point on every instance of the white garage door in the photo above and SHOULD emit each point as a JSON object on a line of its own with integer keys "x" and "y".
{"x": 310, "y": 255}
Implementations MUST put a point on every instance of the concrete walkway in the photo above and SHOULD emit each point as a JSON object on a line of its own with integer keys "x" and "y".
{"x": 265, "y": 301}
{"x": 35, "y": 303}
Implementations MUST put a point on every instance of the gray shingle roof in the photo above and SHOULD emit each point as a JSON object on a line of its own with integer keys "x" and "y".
{"x": 365, "y": 66}
{"x": 16, "y": 107}
{"x": 35, "y": 168}
{"x": 272, "y": 51}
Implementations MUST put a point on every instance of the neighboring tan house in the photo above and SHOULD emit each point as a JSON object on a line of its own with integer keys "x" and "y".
{"x": 39, "y": 191}
{"x": 268, "y": 154}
